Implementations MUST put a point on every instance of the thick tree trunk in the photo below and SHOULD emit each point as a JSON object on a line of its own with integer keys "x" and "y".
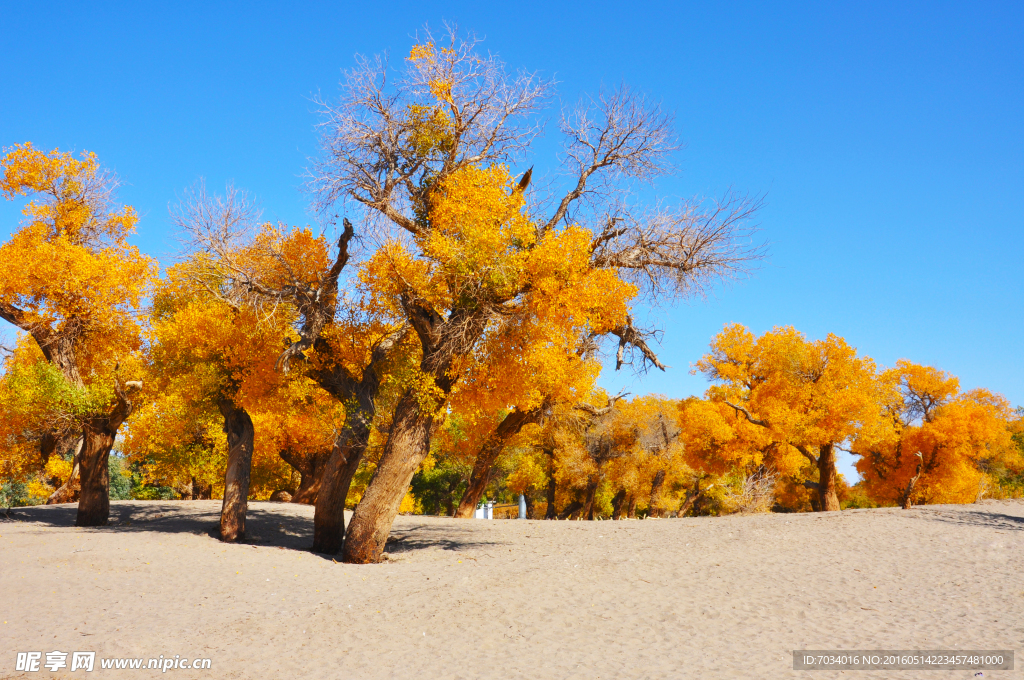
{"x": 529, "y": 506}
{"x": 407, "y": 445}
{"x": 827, "y": 497}
{"x": 94, "y": 499}
{"x": 631, "y": 512}
{"x": 66, "y": 492}
{"x": 510, "y": 426}
{"x": 329, "y": 517}
{"x": 551, "y": 512}
{"x": 617, "y": 503}
{"x": 98, "y": 435}
{"x": 239, "y": 429}
{"x": 654, "y": 505}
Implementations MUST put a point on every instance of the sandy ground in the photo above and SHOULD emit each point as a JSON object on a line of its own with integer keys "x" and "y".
{"x": 727, "y": 597}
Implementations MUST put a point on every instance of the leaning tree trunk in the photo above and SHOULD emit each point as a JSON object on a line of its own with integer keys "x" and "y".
{"x": 828, "y": 499}
{"x": 329, "y": 517}
{"x": 509, "y": 427}
{"x": 654, "y": 505}
{"x": 239, "y": 429}
{"x": 407, "y": 445}
{"x": 66, "y": 492}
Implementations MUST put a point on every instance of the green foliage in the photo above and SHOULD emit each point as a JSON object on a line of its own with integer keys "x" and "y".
{"x": 14, "y": 493}
{"x": 440, "y": 488}
{"x": 121, "y": 481}
{"x": 857, "y": 497}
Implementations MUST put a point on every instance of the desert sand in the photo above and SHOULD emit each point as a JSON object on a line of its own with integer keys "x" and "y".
{"x": 725, "y": 597}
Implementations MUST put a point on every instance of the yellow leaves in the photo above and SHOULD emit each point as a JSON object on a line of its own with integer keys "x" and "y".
{"x": 430, "y": 130}
{"x": 74, "y": 195}
{"x": 436, "y": 65}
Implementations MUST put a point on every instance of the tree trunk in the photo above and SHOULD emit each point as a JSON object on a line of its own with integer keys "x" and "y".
{"x": 311, "y": 471}
{"x": 617, "y": 502}
{"x": 827, "y": 497}
{"x": 329, "y": 516}
{"x": 654, "y": 505}
{"x": 200, "y": 491}
{"x": 588, "y": 503}
{"x": 407, "y": 445}
{"x": 529, "y": 506}
{"x": 908, "y": 493}
{"x": 66, "y": 492}
{"x": 94, "y": 499}
{"x": 510, "y": 426}
{"x": 239, "y": 429}
{"x": 551, "y": 513}
{"x": 570, "y": 509}
{"x": 631, "y": 513}
{"x": 98, "y": 435}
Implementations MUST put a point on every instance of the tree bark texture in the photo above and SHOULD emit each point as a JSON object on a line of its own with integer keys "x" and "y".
{"x": 827, "y": 496}
{"x": 509, "y": 427}
{"x": 443, "y": 340}
{"x": 407, "y": 445}
{"x": 98, "y": 435}
{"x": 239, "y": 429}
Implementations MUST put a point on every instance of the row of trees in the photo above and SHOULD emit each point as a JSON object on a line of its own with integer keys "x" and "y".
{"x": 470, "y": 295}
{"x": 452, "y": 344}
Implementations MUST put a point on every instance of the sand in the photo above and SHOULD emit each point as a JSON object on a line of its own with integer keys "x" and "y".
{"x": 727, "y": 597}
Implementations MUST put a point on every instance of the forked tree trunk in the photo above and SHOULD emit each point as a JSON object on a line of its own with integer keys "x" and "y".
{"x": 511, "y": 425}
{"x": 828, "y": 499}
{"x": 239, "y": 429}
{"x": 407, "y": 445}
{"x": 617, "y": 502}
{"x": 654, "y": 505}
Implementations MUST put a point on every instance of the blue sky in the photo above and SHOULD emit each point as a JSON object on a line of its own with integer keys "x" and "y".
{"x": 887, "y": 137}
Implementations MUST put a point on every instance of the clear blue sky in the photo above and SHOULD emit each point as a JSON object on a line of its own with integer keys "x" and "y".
{"x": 888, "y": 137}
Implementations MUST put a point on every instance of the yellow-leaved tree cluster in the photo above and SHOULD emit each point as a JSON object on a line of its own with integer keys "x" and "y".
{"x": 446, "y": 350}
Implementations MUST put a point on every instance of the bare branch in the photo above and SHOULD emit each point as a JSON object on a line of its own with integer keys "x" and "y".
{"x": 746, "y": 413}
{"x": 383, "y": 143}
{"x": 631, "y": 338}
{"x": 618, "y": 133}
{"x": 684, "y": 251}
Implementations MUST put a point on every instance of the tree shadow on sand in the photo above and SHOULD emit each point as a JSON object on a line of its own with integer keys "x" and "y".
{"x": 269, "y": 525}
{"x": 453, "y": 535}
{"x": 989, "y": 519}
